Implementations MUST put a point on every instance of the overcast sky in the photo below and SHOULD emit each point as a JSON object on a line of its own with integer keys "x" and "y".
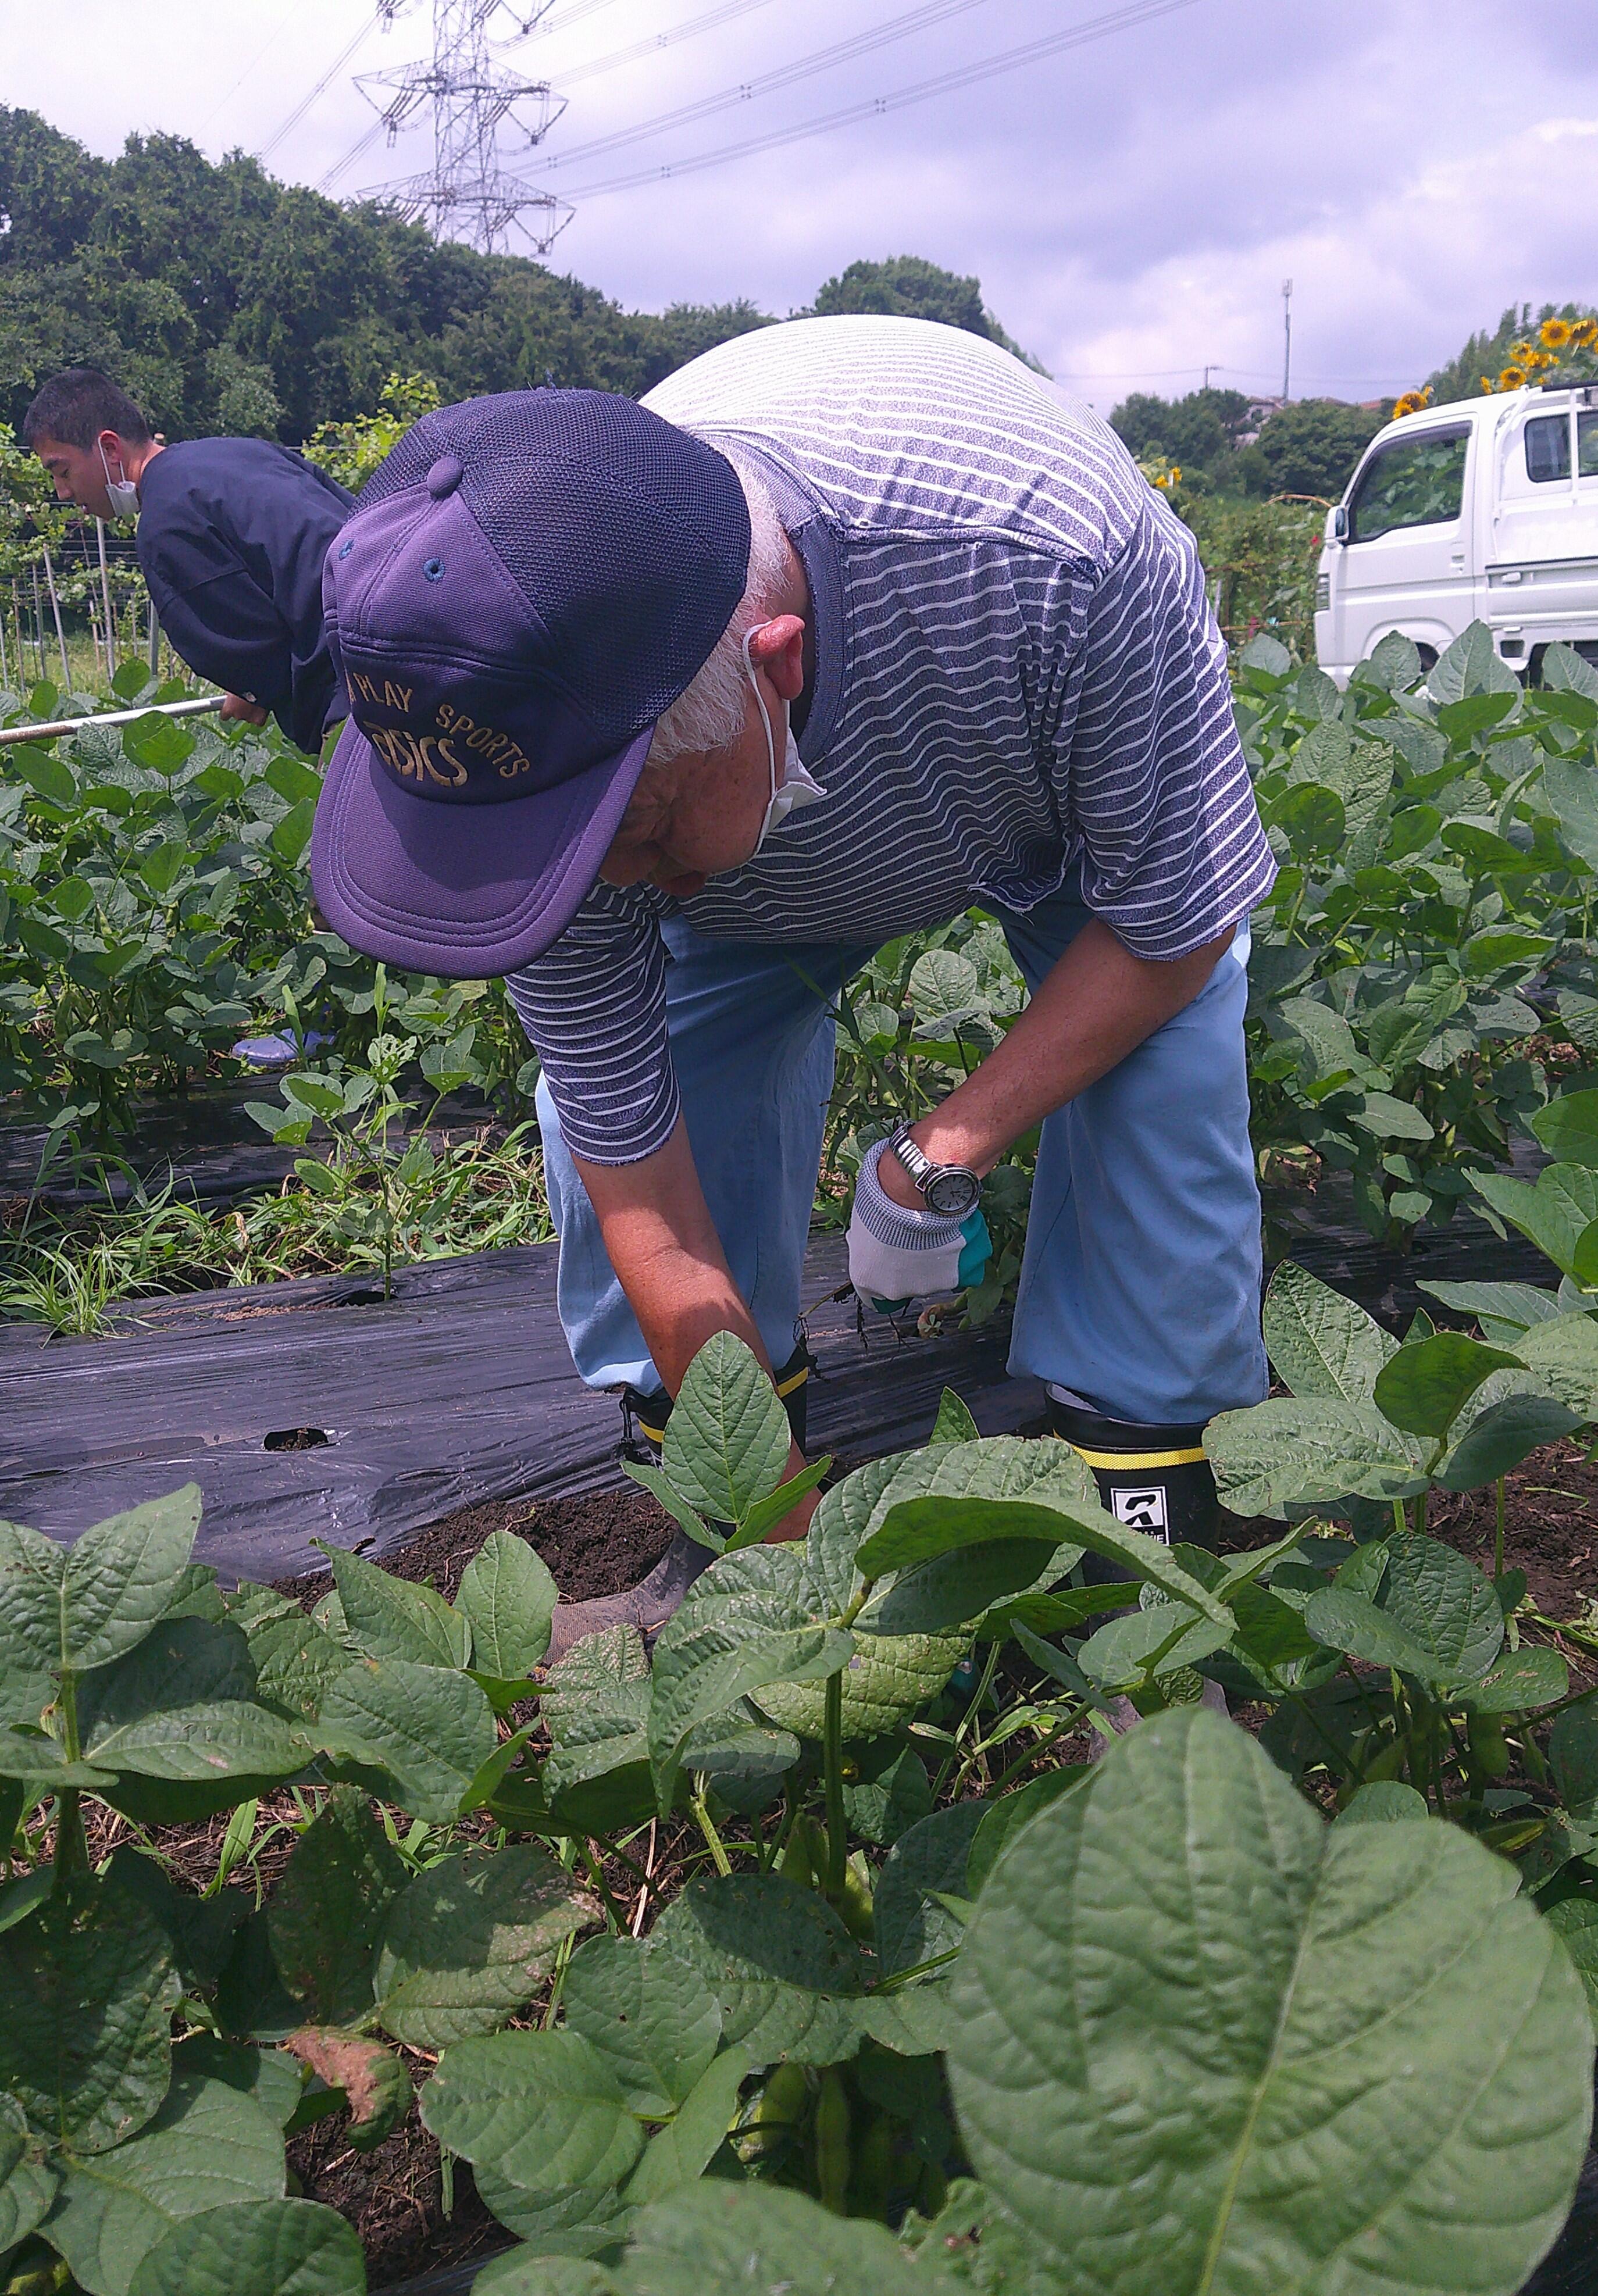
{"x": 1132, "y": 203}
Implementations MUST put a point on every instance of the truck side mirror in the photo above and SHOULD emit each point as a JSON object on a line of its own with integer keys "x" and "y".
{"x": 1340, "y": 523}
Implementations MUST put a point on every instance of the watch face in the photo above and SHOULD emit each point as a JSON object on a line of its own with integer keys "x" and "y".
{"x": 952, "y": 1192}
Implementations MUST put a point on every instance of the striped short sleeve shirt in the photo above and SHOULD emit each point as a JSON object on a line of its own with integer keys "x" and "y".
{"x": 1016, "y": 668}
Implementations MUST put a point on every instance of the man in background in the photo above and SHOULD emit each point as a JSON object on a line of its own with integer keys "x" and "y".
{"x": 230, "y": 537}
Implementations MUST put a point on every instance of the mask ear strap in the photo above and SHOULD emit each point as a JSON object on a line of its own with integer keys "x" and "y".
{"x": 771, "y": 746}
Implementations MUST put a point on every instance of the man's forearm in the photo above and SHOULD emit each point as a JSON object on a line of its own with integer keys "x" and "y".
{"x": 1097, "y": 1004}
{"x": 668, "y": 1257}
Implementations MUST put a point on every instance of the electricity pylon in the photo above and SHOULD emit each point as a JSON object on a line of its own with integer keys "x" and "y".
{"x": 469, "y": 192}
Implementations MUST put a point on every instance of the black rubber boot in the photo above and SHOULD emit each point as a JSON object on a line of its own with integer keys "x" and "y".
{"x": 649, "y": 1604}
{"x": 646, "y": 1416}
{"x": 1155, "y": 1479}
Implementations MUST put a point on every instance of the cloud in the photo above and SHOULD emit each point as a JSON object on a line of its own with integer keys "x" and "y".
{"x": 1131, "y": 205}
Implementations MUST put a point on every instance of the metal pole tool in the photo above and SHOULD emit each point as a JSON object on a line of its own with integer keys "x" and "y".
{"x": 108, "y": 718}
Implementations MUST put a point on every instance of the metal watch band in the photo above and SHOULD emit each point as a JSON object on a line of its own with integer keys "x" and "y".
{"x": 956, "y": 1182}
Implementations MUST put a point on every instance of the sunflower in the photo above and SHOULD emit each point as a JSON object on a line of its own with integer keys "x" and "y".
{"x": 1511, "y": 378}
{"x": 1535, "y": 362}
{"x": 1488, "y": 383}
{"x": 1411, "y": 402}
{"x": 1518, "y": 351}
{"x": 1554, "y": 334}
{"x": 1584, "y": 333}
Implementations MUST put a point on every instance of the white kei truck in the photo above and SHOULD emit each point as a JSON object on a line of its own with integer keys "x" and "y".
{"x": 1484, "y": 510}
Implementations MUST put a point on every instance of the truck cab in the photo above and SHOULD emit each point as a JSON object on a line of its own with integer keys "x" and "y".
{"x": 1486, "y": 511}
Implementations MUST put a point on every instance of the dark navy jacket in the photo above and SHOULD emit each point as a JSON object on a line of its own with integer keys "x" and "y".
{"x": 232, "y": 534}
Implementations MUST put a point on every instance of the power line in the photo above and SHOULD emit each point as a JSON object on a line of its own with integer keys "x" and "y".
{"x": 897, "y": 27}
{"x": 1146, "y": 12}
{"x": 706, "y": 22}
{"x": 337, "y": 66}
{"x": 271, "y": 40}
{"x": 659, "y": 40}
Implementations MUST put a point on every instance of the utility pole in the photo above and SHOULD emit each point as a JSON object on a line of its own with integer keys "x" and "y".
{"x": 467, "y": 193}
{"x": 1287, "y": 337}
{"x": 1207, "y": 372}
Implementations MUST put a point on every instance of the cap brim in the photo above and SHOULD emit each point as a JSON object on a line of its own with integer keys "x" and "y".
{"x": 468, "y": 891}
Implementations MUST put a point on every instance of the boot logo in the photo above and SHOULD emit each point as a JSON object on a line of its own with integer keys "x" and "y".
{"x": 1141, "y": 1507}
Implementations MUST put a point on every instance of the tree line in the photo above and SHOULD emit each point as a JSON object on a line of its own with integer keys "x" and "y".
{"x": 226, "y": 301}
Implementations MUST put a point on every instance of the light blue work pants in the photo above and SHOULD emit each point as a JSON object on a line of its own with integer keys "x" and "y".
{"x": 1140, "y": 1283}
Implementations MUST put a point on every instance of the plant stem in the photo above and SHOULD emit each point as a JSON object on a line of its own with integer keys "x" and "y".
{"x": 838, "y": 1849}
{"x": 1059, "y": 1729}
{"x": 707, "y": 1826}
{"x": 1499, "y": 1534}
{"x": 596, "y": 1874}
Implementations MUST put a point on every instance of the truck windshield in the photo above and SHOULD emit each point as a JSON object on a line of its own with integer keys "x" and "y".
{"x": 1548, "y": 447}
{"x": 1419, "y": 481}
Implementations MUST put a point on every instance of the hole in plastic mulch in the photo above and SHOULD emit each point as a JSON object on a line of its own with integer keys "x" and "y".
{"x": 295, "y": 1438}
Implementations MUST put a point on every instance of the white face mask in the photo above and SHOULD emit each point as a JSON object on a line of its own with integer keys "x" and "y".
{"x": 122, "y": 494}
{"x": 796, "y": 789}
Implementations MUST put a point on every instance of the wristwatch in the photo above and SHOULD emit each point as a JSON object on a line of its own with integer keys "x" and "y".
{"x": 950, "y": 1190}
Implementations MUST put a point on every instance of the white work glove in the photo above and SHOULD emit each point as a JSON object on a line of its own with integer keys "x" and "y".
{"x": 895, "y": 1254}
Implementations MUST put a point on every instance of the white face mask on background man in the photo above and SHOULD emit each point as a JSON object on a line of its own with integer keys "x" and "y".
{"x": 796, "y": 788}
{"x": 122, "y": 493}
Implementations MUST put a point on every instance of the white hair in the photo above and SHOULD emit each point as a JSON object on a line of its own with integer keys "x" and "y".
{"x": 709, "y": 713}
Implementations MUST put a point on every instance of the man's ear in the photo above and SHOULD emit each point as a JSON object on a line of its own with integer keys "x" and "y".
{"x": 778, "y": 648}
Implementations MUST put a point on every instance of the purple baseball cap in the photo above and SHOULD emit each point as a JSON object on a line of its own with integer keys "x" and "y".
{"x": 523, "y": 587}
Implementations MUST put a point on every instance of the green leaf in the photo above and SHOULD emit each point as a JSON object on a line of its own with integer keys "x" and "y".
{"x": 26, "y": 2182}
{"x": 295, "y": 1660}
{"x": 910, "y": 1925}
{"x": 719, "y": 2239}
{"x": 1574, "y": 1920}
{"x": 727, "y": 1440}
{"x": 1573, "y": 1750}
{"x": 262, "y": 2248}
{"x": 210, "y": 2146}
{"x": 1285, "y": 1452}
{"x": 595, "y": 1706}
{"x": 1521, "y": 1682}
{"x": 1504, "y": 1310}
{"x": 1380, "y": 1113}
{"x": 51, "y": 777}
{"x": 779, "y": 1962}
{"x": 289, "y": 836}
{"x": 469, "y": 1941}
{"x": 86, "y": 1999}
{"x": 1438, "y": 1619}
{"x": 1119, "y": 1655}
{"x": 572, "y": 2220}
{"x": 82, "y": 1606}
{"x": 327, "y": 1912}
{"x": 1424, "y": 1387}
{"x": 389, "y": 1618}
{"x": 544, "y": 2110}
{"x": 647, "y": 2013}
{"x": 888, "y": 1678}
{"x": 953, "y": 1423}
{"x": 685, "y": 2149}
{"x": 956, "y": 1589}
{"x": 890, "y": 1793}
{"x": 179, "y": 1705}
{"x": 292, "y": 778}
{"x": 659, "y": 1485}
{"x": 426, "y": 1730}
{"x": 1387, "y": 1802}
{"x": 507, "y": 1598}
{"x": 1332, "y": 2104}
{"x": 1569, "y": 790}
{"x": 1562, "y": 1356}
{"x": 1552, "y": 1212}
{"x": 161, "y": 745}
{"x": 744, "y": 1625}
{"x": 1502, "y": 1437}
{"x": 766, "y": 1514}
{"x": 944, "y": 985}
{"x": 1567, "y": 1128}
{"x": 1006, "y": 1817}
{"x": 1319, "y": 1342}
